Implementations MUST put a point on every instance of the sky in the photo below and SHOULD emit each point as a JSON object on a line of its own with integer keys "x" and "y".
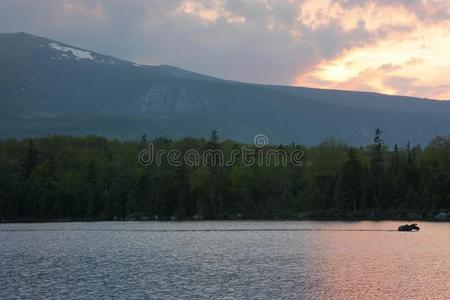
{"x": 397, "y": 47}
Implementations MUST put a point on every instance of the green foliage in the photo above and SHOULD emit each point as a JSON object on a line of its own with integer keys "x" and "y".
{"x": 349, "y": 187}
{"x": 92, "y": 178}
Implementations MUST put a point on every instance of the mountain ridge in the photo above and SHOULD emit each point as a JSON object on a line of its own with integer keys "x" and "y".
{"x": 44, "y": 84}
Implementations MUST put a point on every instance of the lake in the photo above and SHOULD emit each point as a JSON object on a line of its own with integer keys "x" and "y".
{"x": 224, "y": 260}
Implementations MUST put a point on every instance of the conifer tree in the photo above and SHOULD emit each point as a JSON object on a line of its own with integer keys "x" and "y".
{"x": 349, "y": 186}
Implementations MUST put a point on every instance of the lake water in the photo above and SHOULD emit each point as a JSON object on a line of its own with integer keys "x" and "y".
{"x": 224, "y": 260}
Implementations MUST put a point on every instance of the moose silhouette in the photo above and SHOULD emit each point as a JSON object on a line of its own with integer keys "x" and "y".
{"x": 406, "y": 227}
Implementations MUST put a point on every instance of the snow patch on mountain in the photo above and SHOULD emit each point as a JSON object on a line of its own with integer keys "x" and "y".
{"x": 79, "y": 54}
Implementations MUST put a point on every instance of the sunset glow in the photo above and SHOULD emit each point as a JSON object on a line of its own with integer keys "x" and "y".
{"x": 393, "y": 47}
{"x": 410, "y": 57}
{"x": 389, "y": 46}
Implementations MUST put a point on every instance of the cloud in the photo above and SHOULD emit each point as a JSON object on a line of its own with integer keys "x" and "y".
{"x": 266, "y": 41}
{"x": 411, "y": 86}
{"x": 425, "y": 10}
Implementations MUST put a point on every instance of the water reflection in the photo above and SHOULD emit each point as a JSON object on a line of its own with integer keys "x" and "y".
{"x": 233, "y": 260}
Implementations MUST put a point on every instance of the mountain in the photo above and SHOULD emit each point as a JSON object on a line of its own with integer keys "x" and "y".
{"x": 48, "y": 87}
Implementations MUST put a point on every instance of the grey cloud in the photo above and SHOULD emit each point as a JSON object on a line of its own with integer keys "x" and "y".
{"x": 152, "y": 32}
{"x": 412, "y": 86}
{"x": 427, "y": 10}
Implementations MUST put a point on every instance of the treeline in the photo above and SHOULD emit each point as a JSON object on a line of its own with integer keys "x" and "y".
{"x": 93, "y": 178}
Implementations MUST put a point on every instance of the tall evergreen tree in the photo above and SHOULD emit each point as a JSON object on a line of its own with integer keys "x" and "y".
{"x": 349, "y": 187}
{"x": 377, "y": 169}
{"x": 30, "y": 160}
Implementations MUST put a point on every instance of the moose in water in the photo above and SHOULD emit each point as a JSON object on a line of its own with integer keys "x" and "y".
{"x": 406, "y": 227}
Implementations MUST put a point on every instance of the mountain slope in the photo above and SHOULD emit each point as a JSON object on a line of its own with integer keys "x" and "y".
{"x": 48, "y": 87}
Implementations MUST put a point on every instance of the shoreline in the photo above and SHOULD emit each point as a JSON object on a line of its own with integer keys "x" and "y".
{"x": 84, "y": 220}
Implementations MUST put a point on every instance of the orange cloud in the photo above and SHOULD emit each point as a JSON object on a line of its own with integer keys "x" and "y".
{"x": 414, "y": 61}
{"x": 209, "y": 12}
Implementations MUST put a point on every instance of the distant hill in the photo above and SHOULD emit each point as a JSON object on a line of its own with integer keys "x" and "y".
{"x": 48, "y": 87}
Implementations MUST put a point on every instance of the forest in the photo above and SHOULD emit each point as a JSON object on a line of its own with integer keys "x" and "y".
{"x": 95, "y": 178}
